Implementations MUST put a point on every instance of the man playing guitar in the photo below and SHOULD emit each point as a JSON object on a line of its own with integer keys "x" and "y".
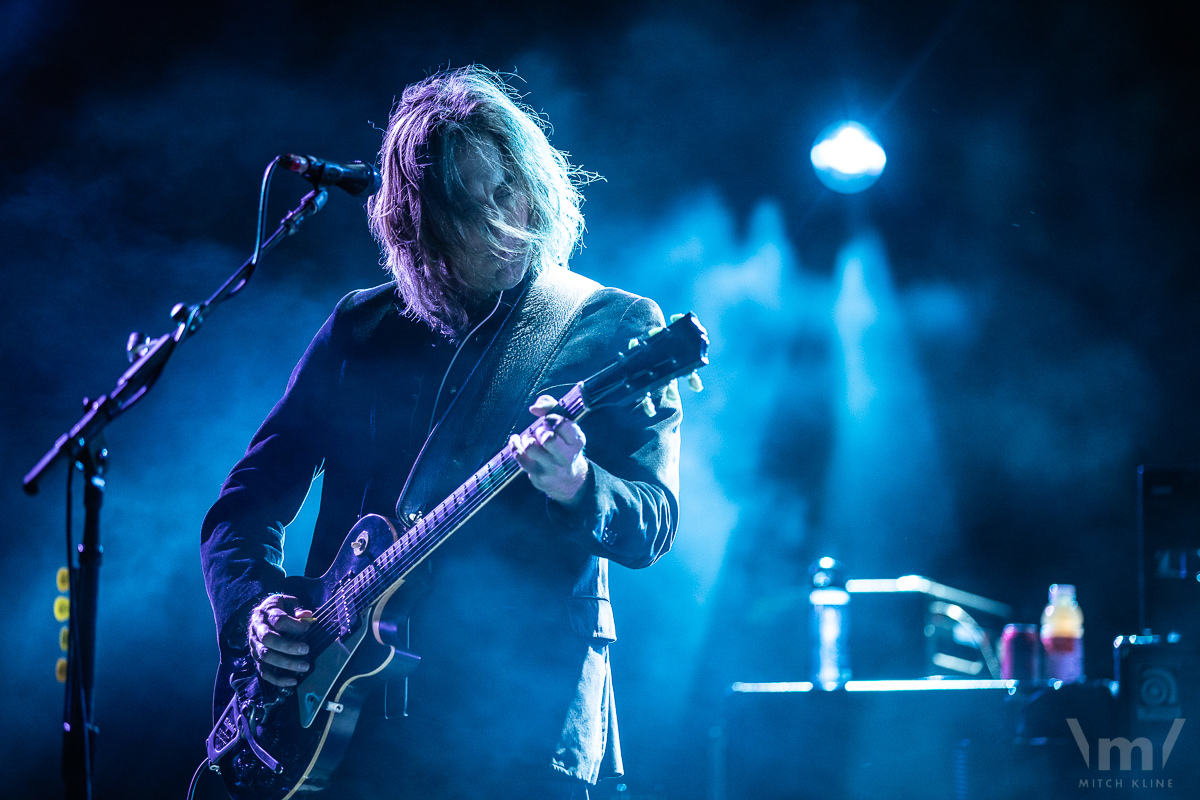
{"x": 408, "y": 388}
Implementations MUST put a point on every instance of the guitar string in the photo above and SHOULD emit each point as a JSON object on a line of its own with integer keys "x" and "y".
{"x": 425, "y": 534}
{"x": 432, "y": 531}
{"x": 443, "y": 522}
{"x": 469, "y": 497}
{"x": 445, "y": 519}
{"x": 465, "y": 500}
{"x": 413, "y": 544}
{"x": 428, "y": 535}
{"x": 429, "y": 532}
{"x": 397, "y": 563}
{"x": 448, "y": 515}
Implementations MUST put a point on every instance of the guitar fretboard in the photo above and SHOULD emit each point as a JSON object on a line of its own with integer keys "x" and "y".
{"x": 338, "y": 615}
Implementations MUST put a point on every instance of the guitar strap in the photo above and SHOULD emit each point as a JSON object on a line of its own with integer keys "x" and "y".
{"x": 473, "y": 428}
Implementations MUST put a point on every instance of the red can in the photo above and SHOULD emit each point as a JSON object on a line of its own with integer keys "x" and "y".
{"x": 1021, "y": 653}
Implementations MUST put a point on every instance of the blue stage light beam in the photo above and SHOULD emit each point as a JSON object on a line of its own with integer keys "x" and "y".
{"x": 847, "y": 157}
{"x": 888, "y": 503}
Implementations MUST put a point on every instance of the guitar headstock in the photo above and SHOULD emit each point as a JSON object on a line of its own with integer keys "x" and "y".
{"x": 650, "y": 362}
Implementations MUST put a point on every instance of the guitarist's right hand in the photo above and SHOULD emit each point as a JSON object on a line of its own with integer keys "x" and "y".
{"x": 275, "y": 625}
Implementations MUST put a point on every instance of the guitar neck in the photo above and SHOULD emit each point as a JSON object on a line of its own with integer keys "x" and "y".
{"x": 428, "y": 532}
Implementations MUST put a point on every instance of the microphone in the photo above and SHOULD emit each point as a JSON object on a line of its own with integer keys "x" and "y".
{"x": 356, "y": 177}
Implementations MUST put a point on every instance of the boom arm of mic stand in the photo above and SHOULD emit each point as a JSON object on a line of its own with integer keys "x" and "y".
{"x": 152, "y": 356}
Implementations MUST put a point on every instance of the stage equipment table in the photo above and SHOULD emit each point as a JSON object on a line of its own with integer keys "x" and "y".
{"x": 934, "y": 740}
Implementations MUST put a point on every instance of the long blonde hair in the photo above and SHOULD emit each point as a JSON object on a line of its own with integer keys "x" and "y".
{"x": 422, "y": 212}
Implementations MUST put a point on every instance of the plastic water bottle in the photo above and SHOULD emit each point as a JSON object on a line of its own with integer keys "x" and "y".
{"x": 1062, "y": 635}
{"x": 830, "y": 626}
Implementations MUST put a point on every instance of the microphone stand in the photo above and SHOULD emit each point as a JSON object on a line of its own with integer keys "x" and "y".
{"x": 83, "y": 446}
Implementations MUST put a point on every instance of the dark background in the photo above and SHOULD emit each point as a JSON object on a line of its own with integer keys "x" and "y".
{"x": 974, "y": 409}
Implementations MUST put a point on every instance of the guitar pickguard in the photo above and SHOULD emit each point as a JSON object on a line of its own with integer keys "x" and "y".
{"x": 313, "y": 690}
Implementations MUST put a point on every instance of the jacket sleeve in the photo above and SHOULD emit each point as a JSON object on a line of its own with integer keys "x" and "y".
{"x": 630, "y": 505}
{"x": 241, "y": 540}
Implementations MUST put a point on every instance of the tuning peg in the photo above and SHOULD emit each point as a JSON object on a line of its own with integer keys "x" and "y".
{"x": 677, "y": 317}
{"x": 647, "y": 405}
{"x": 694, "y": 382}
{"x": 633, "y": 343}
{"x": 654, "y": 331}
{"x": 672, "y": 392}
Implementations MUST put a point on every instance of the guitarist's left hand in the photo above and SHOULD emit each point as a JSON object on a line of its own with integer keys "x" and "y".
{"x": 553, "y": 459}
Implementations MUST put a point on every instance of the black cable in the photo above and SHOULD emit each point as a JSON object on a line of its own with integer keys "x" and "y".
{"x": 263, "y": 191}
{"x": 259, "y": 228}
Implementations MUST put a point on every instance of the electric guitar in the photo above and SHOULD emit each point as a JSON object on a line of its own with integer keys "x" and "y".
{"x": 270, "y": 743}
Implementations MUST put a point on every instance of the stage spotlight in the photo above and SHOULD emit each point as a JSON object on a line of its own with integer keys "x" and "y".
{"x": 847, "y": 157}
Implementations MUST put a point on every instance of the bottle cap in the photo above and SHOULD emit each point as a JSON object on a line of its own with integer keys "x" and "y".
{"x": 1065, "y": 590}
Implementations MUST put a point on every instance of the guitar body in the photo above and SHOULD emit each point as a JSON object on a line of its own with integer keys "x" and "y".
{"x": 307, "y": 730}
